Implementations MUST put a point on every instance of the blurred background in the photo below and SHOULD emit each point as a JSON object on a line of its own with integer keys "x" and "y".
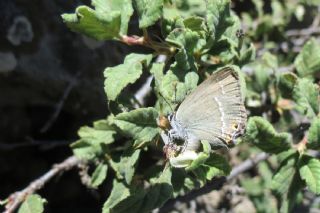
{"x": 51, "y": 83}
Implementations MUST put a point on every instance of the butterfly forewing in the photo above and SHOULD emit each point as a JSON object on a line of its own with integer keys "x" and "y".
{"x": 214, "y": 111}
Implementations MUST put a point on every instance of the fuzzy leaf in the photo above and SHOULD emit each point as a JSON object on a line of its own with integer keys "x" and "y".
{"x": 98, "y": 25}
{"x": 286, "y": 84}
{"x": 287, "y": 183}
{"x": 282, "y": 179}
{"x": 308, "y": 61}
{"x": 123, "y": 6}
{"x": 125, "y": 166}
{"x": 247, "y": 55}
{"x": 290, "y": 199}
{"x": 174, "y": 90}
{"x": 119, "y": 192}
{"x": 140, "y": 124}
{"x": 195, "y": 23}
{"x": 262, "y": 134}
{"x": 263, "y": 69}
{"x": 314, "y": 134}
{"x": 160, "y": 191}
{"x": 309, "y": 169}
{"x": 92, "y": 142}
{"x": 118, "y": 77}
{"x": 157, "y": 71}
{"x": 149, "y": 11}
{"x": 96, "y": 136}
{"x": 218, "y": 17}
{"x": 187, "y": 41}
{"x": 215, "y": 165}
{"x": 136, "y": 199}
{"x": 306, "y": 94}
{"x": 99, "y": 174}
{"x": 33, "y": 204}
{"x": 202, "y": 156}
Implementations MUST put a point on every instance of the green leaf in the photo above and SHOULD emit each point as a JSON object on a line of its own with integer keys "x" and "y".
{"x": 202, "y": 156}
{"x": 216, "y": 165}
{"x": 302, "y": 91}
{"x": 184, "y": 38}
{"x": 188, "y": 42}
{"x": 282, "y": 179}
{"x": 262, "y": 134}
{"x": 149, "y": 11}
{"x": 195, "y": 23}
{"x": 314, "y": 134}
{"x": 309, "y": 168}
{"x": 157, "y": 72}
{"x": 140, "y": 124}
{"x": 104, "y": 124}
{"x": 253, "y": 186}
{"x": 247, "y": 55}
{"x": 137, "y": 199}
{"x": 208, "y": 165}
{"x": 160, "y": 191}
{"x": 263, "y": 70}
{"x": 286, "y": 84}
{"x": 119, "y": 192}
{"x": 306, "y": 96}
{"x": 123, "y": 6}
{"x": 98, "y": 25}
{"x": 96, "y": 136}
{"x": 92, "y": 142}
{"x": 173, "y": 90}
{"x": 99, "y": 174}
{"x": 290, "y": 199}
{"x": 307, "y": 62}
{"x": 287, "y": 183}
{"x": 218, "y": 17}
{"x": 33, "y": 204}
{"x": 125, "y": 166}
{"x": 118, "y": 77}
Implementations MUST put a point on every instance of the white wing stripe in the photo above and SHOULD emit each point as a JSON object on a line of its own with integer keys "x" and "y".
{"x": 222, "y": 115}
{"x": 221, "y": 87}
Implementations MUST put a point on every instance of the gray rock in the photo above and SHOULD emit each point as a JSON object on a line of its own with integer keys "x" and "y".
{"x": 20, "y": 31}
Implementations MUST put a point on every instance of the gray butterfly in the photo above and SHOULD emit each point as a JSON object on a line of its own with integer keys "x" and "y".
{"x": 214, "y": 111}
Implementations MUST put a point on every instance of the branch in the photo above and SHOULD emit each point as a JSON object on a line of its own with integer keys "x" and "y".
{"x": 297, "y": 38}
{"x": 15, "y": 199}
{"x": 44, "y": 145}
{"x": 312, "y": 29}
{"x": 216, "y": 183}
{"x": 60, "y": 104}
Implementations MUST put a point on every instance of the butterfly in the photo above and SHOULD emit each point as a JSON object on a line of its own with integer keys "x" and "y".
{"x": 214, "y": 112}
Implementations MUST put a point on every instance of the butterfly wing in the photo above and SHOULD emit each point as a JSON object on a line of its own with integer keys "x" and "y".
{"x": 214, "y": 111}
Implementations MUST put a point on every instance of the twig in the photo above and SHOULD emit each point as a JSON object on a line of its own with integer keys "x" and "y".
{"x": 312, "y": 29}
{"x": 60, "y": 104}
{"x": 45, "y": 145}
{"x": 17, "y": 198}
{"x": 297, "y": 38}
{"x": 247, "y": 164}
{"x": 216, "y": 183}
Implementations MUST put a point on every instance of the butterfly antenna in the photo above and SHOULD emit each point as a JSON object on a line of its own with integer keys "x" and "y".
{"x": 166, "y": 101}
{"x": 175, "y": 93}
